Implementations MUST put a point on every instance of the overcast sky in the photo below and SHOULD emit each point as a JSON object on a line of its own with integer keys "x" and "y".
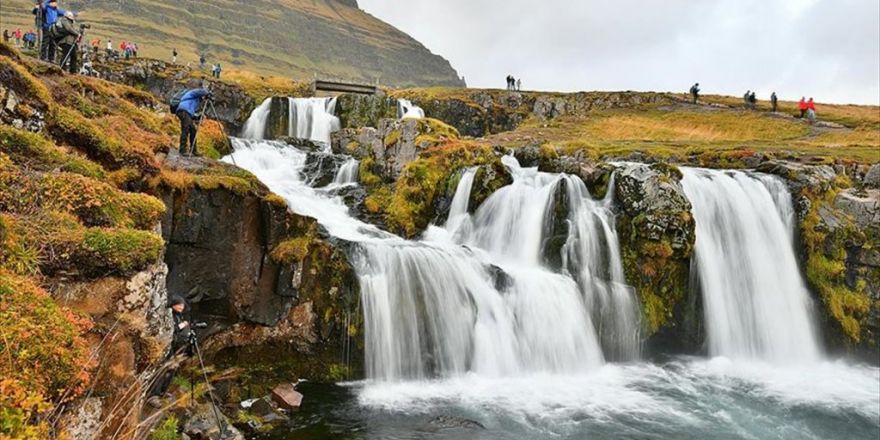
{"x": 828, "y": 49}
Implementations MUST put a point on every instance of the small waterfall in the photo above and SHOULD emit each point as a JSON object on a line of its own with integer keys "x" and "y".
{"x": 756, "y": 303}
{"x": 255, "y": 126}
{"x": 458, "y": 209}
{"x": 347, "y": 173}
{"x": 312, "y": 118}
{"x": 406, "y": 109}
{"x": 307, "y": 118}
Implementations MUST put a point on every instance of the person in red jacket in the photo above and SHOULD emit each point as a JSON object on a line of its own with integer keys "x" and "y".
{"x": 802, "y": 106}
{"x": 811, "y": 105}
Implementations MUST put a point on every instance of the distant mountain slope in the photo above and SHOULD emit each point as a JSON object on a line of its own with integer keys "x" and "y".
{"x": 299, "y": 38}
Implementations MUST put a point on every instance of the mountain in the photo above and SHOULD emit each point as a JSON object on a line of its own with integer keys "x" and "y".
{"x": 299, "y": 38}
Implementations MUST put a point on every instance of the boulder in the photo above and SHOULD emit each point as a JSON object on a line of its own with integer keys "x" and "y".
{"x": 83, "y": 421}
{"x": 863, "y": 208}
{"x": 447, "y": 422}
{"x": 202, "y": 425}
{"x": 286, "y": 396}
{"x": 657, "y": 233}
{"x": 872, "y": 177}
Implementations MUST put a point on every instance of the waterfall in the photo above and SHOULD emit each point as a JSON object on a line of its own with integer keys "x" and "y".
{"x": 406, "y": 109}
{"x": 307, "y": 118}
{"x": 347, "y": 173}
{"x": 255, "y": 126}
{"x": 475, "y": 296}
{"x": 458, "y": 209}
{"x": 312, "y": 118}
{"x": 756, "y": 303}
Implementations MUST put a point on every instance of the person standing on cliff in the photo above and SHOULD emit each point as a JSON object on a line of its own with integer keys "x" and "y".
{"x": 774, "y": 101}
{"x": 50, "y": 13}
{"x": 518, "y": 85}
{"x": 6, "y": 35}
{"x": 67, "y": 38}
{"x": 202, "y": 62}
{"x": 695, "y": 92}
{"x": 174, "y": 56}
{"x": 187, "y": 112}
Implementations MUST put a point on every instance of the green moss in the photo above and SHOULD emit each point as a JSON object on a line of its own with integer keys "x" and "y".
{"x": 235, "y": 184}
{"x": 292, "y": 250}
{"x": 367, "y": 173}
{"x": 35, "y": 151}
{"x": 847, "y": 306}
{"x": 167, "y": 430}
{"x": 392, "y": 138}
{"x": 24, "y": 84}
{"x": 276, "y": 200}
{"x": 122, "y": 250}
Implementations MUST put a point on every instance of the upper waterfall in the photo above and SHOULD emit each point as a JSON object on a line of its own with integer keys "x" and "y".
{"x": 302, "y": 118}
{"x": 406, "y": 109}
{"x": 756, "y": 303}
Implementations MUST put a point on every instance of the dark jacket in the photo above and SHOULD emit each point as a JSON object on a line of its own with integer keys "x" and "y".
{"x": 65, "y": 31}
{"x": 190, "y": 100}
{"x": 180, "y": 338}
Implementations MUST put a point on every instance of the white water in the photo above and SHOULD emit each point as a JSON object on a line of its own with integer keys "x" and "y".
{"x": 755, "y": 301}
{"x": 307, "y": 118}
{"x": 255, "y": 126}
{"x": 347, "y": 173}
{"x": 406, "y": 109}
{"x": 312, "y": 118}
{"x": 521, "y": 354}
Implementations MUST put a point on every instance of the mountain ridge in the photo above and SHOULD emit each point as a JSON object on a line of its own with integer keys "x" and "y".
{"x": 298, "y": 38}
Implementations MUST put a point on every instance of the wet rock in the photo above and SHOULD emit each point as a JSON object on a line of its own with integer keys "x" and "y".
{"x": 528, "y": 156}
{"x": 657, "y": 233}
{"x": 146, "y": 298}
{"x": 261, "y": 408}
{"x": 446, "y": 422}
{"x": 800, "y": 175}
{"x": 307, "y": 145}
{"x": 488, "y": 179}
{"x": 555, "y": 237}
{"x": 203, "y": 425}
{"x": 594, "y": 174}
{"x": 286, "y": 396}
{"x": 320, "y": 168}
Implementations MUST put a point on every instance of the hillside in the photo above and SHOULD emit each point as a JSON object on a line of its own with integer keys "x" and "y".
{"x": 298, "y": 38}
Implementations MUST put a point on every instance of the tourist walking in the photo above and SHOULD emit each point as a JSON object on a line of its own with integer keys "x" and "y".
{"x": 753, "y": 101}
{"x": 18, "y": 36}
{"x": 695, "y": 92}
{"x": 174, "y": 56}
{"x": 811, "y": 111}
{"x": 202, "y": 62}
{"x": 518, "y": 85}
{"x": 6, "y": 35}
{"x": 773, "y": 102}
{"x": 802, "y": 106}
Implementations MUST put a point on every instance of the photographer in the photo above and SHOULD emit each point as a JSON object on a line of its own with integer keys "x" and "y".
{"x": 67, "y": 39}
{"x": 182, "y": 342}
{"x": 187, "y": 112}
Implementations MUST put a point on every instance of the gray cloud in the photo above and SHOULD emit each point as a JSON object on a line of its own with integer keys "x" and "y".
{"x": 828, "y": 49}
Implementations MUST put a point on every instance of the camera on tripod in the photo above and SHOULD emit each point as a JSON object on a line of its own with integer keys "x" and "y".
{"x": 193, "y": 338}
{"x": 84, "y": 26}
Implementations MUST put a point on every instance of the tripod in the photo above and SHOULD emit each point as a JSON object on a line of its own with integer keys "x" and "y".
{"x": 79, "y": 40}
{"x": 194, "y": 341}
{"x": 209, "y": 103}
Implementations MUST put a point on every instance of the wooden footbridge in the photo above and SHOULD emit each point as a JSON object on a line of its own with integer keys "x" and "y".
{"x": 333, "y": 86}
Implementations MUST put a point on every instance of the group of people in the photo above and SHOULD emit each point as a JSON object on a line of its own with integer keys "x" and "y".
{"x": 215, "y": 70}
{"x": 513, "y": 83}
{"x": 25, "y": 40}
{"x": 807, "y": 107}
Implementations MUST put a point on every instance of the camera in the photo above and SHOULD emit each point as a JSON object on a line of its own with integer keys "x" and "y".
{"x": 200, "y": 325}
{"x": 85, "y": 26}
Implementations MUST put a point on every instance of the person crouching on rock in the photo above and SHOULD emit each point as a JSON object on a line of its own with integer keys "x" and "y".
{"x": 180, "y": 349}
{"x": 187, "y": 112}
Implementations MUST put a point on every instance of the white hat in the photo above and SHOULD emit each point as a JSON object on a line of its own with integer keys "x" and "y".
{"x": 69, "y": 14}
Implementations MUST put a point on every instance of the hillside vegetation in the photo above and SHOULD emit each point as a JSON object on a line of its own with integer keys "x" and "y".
{"x": 291, "y": 38}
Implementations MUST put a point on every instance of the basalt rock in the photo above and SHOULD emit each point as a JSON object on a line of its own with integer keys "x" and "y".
{"x": 656, "y": 230}
{"x": 231, "y": 104}
{"x": 488, "y": 179}
{"x": 595, "y": 175}
{"x": 359, "y": 111}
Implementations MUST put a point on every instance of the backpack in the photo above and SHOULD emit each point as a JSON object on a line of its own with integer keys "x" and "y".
{"x": 174, "y": 102}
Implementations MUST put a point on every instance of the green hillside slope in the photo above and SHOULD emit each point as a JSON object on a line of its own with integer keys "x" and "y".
{"x": 298, "y": 38}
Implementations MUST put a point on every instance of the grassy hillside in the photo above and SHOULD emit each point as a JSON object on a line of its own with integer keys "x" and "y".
{"x": 291, "y": 38}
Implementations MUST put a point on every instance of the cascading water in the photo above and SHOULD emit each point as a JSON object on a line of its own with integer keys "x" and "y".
{"x": 406, "y": 109}
{"x": 312, "y": 118}
{"x": 255, "y": 126}
{"x": 472, "y": 321}
{"x": 347, "y": 173}
{"x": 756, "y": 303}
{"x": 307, "y": 118}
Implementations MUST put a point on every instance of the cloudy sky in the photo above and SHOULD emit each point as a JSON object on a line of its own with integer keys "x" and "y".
{"x": 828, "y": 49}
